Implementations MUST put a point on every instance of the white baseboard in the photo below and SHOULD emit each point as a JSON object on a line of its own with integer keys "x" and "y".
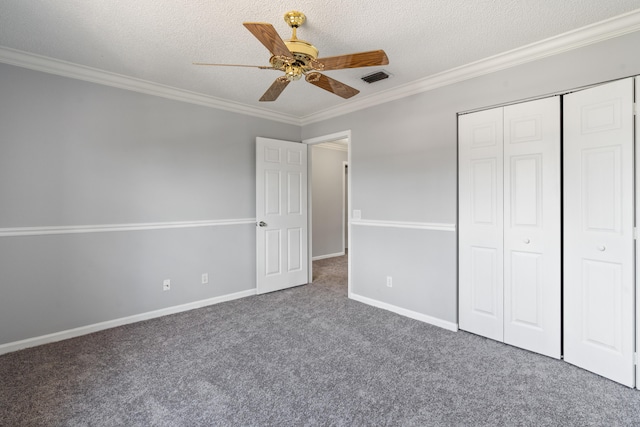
{"x": 316, "y": 258}
{"x": 404, "y": 312}
{"x": 84, "y": 330}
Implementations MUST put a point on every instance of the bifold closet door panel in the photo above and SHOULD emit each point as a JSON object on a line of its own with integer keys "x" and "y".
{"x": 598, "y": 230}
{"x": 532, "y": 226}
{"x": 481, "y": 223}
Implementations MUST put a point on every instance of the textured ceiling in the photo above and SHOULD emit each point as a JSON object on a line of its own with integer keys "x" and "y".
{"x": 157, "y": 40}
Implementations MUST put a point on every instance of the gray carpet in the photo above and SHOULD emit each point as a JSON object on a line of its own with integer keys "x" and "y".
{"x": 304, "y": 356}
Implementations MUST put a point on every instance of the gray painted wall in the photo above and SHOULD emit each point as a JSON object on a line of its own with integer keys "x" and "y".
{"x": 76, "y": 153}
{"x": 327, "y": 173}
{"x": 403, "y": 166}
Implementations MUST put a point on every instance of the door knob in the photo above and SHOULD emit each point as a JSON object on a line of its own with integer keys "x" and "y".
{"x": 527, "y": 241}
{"x": 262, "y": 224}
{"x": 601, "y": 248}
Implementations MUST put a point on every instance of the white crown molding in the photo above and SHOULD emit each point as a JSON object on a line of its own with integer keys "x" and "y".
{"x": 405, "y": 224}
{"x": 94, "y": 75}
{"x": 594, "y": 33}
{"x": 590, "y": 34}
{"x": 77, "y": 229}
{"x": 84, "y": 330}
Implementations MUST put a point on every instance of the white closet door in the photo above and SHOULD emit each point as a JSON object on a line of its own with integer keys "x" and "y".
{"x": 532, "y": 226}
{"x": 480, "y": 221}
{"x": 598, "y": 230}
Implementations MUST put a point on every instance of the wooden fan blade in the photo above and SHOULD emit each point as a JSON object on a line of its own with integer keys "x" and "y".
{"x": 355, "y": 60}
{"x": 269, "y": 37}
{"x": 275, "y": 89}
{"x": 262, "y": 67}
{"x": 331, "y": 85}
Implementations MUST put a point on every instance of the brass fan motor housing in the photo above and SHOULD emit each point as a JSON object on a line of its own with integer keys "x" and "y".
{"x": 303, "y": 53}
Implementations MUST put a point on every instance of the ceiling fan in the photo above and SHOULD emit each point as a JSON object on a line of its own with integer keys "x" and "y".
{"x": 297, "y": 58}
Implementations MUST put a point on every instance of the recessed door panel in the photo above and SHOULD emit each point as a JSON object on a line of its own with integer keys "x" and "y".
{"x": 294, "y": 193}
{"x": 601, "y": 304}
{"x": 294, "y": 157}
{"x": 484, "y": 281}
{"x": 294, "y": 236}
{"x": 485, "y": 134}
{"x": 598, "y": 230}
{"x": 526, "y": 191}
{"x": 483, "y": 191}
{"x": 271, "y": 155}
{"x": 526, "y": 292}
{"x": 601, "y": 116}
{"x": 525, "y": 129}
{"x": 272, "y": 195}
{"x": 602, "y": 189}
{"x": 272, "y": 252}
{"x": 532, "y": 281}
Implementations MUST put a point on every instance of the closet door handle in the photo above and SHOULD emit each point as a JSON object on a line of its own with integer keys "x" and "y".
{"x": 526, "y": 241}
{"x": 601, "y": 248}
{"x": 262, "y": 224}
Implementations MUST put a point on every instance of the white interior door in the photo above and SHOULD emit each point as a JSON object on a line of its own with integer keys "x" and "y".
{"x": 281, "y": 214}
{"x": 598, "y": 230}
{"x": 481, "y": 223}
{"x": 532, "y": 231}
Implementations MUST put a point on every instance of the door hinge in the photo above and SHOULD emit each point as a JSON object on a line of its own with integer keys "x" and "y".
{"x": 635, "y": 233}
{"x": 635, "y": 108}
{"x": 635, "y": 358}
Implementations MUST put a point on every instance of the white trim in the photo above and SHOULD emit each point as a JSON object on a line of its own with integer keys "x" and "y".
{"x": 334, "y": 146}
{"x": 94, "y": 75}
{"x": 404, "y": 224}
{"x": 75, "y": 229}
{"x": 84, "y": 330}
{"x": 407, "y": 313}
{"x": 338, "y": 136}
{"x": 590, "y": 34}
{"x": 345, "y": 208}
{"x": 319, "y": 257}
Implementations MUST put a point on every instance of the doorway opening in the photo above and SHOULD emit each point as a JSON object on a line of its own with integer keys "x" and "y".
{"x": 329, "y": 191}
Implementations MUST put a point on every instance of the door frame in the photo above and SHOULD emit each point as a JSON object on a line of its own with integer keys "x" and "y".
{"x": 346, "y": 135}
{"x": 345, "y": 208}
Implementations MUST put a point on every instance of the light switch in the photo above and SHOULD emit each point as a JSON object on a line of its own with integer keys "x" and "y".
{"x": 357, "y": 214}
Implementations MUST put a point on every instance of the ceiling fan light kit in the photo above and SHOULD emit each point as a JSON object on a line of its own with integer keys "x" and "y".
{"x": 297, "y": 58}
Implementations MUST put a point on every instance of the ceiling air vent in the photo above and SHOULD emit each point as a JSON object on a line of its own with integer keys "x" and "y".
{"x": 377, "y": 76}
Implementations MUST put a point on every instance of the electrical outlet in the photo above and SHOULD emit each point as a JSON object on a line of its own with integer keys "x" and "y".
{"x": 389, "y": 281}
{"x": 205, "y": 278}
{"x": 357, "y": 214}
{"x": 166, "y": 284}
